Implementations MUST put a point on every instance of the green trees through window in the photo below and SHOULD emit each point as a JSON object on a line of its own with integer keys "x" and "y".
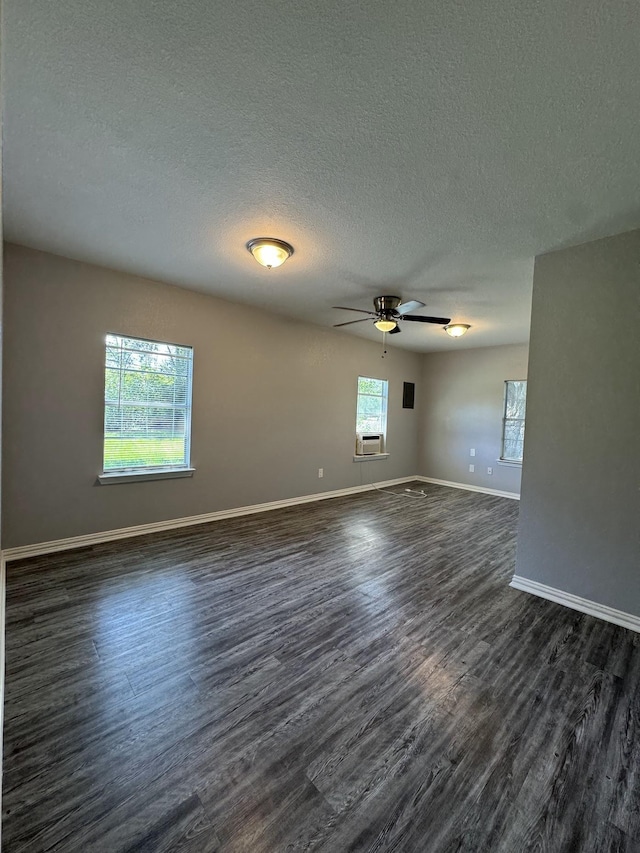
{"x": 371, "y": 412}
{"x": 147, "y": 404}
{"x": 515, "y": 406}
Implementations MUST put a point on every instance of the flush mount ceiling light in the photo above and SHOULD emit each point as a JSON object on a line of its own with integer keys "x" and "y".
{"x": 385, "y": 325}
{"x": 269, "y": 252}
{"x": 457, "y": 330}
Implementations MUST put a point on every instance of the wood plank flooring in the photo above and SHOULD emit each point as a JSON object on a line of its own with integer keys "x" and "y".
{"x": 348, "y": 675}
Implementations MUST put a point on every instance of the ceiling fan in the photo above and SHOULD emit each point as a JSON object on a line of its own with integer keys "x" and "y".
{"x": 389, "y": 311}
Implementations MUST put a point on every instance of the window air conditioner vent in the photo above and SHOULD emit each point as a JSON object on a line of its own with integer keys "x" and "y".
{"x": 368, "y": 443}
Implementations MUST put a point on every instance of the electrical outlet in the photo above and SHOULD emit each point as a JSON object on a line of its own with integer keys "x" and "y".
{"x": 472, "y": 469}
{"x": 320, "y": 473}
{"x": 472, "y": 452}
{"x": 489, "y": 470}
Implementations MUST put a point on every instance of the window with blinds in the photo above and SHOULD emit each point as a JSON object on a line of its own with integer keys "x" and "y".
{"x": 147, "y": 405}
{"x": 515, "y": 408}
{"x": 371, "y": 408}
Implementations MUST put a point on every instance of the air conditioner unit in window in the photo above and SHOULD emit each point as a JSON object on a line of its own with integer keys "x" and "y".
{"x": 368, "y": 443}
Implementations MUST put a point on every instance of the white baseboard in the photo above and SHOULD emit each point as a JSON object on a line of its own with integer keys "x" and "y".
{"x": 55, "y": 545}
{"x": 497, "y": 492}
{"x": 576, "y": 602}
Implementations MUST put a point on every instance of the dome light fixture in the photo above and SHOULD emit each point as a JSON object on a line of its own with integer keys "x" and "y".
{"x": 457, "y": 330}
{"x": 385, "y": 325}
{"x": 269, "y": 252}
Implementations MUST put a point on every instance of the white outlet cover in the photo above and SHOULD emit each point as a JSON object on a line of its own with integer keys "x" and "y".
{"x": 472, "y": 452}
{"x": 472, "y": 469}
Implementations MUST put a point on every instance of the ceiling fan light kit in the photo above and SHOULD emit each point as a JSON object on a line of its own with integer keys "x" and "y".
{"x": 269, "y": 252}
{"x": 385, "y": 325}
{"x": 457, "y": 330}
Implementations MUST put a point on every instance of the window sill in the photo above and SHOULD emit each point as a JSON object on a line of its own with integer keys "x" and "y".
{"x": 111, "y": 478}
{"x": 370, "y": 457}
{"x": 509, "y": 463}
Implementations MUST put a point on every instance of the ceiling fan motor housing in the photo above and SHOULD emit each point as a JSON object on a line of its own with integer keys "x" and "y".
{"x": 386, "y": 305}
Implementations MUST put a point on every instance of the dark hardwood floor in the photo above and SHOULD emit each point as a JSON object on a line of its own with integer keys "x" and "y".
{"x": 348, "y": 675}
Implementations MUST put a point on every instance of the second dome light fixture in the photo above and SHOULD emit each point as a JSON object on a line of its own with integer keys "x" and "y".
{"x": 457, "y": 330}
{"x": 269, "y": 252}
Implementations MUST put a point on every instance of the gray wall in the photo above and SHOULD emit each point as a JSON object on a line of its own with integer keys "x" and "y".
{"x": 461, "y": 406}
{"x": 274, "y": 400}
{"x": 580, "y": 508}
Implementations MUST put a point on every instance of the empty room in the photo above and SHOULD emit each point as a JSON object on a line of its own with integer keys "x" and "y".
{"x": 320, "y": 498}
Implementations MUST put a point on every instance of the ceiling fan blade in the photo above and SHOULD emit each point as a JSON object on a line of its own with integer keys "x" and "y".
{"x": 395, "y": 331}
{"x": 440, "y": 321}
{"x": 350, "y": 322}
{"x": 359, "y": 310}
{"x": 412, "y": 305}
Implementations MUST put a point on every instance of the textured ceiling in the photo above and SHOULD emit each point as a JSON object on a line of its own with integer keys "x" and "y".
{"x": 424, "y": 149}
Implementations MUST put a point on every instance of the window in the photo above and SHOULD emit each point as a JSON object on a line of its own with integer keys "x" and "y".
{"x": 515, "y": 404}
{"x": 147, "y": 406}
{"x": 371, "y": 413}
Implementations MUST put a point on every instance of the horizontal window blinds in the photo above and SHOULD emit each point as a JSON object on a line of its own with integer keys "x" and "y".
{"x": 515, "y": 407}
{"x": 147, "y": 404}
{"x": 371, "y": 412}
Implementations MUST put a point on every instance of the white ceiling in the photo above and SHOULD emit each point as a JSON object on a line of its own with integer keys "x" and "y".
{"x": 424, "y": 149}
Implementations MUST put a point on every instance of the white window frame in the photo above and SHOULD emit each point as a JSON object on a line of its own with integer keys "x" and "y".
{"x": 385, "y": 409}
{"x": 505, "y": 459}
{"x": 151, "y": 472}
